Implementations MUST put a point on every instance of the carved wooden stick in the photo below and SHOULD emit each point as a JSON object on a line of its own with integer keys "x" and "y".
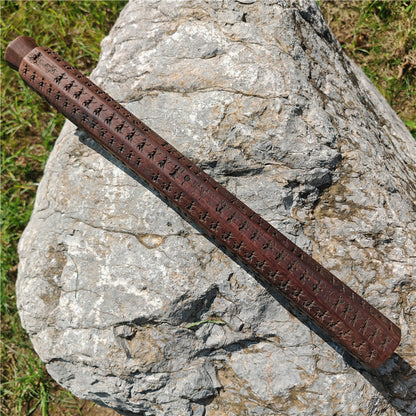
{"x": 363, "y": 331}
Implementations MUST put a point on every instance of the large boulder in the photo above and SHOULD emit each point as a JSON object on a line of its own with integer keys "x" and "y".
{"x": 129, "y": 306}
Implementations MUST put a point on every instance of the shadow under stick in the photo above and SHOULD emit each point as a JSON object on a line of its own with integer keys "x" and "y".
{"x": 345, "y": 316}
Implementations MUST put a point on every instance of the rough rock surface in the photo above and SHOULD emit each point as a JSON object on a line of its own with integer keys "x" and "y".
{"x": 110, "y": 279}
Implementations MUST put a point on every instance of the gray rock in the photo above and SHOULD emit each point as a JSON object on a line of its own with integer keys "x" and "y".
{"x": 111, "y": 279}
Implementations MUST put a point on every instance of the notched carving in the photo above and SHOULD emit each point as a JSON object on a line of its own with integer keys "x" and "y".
{"x": 174, "y": 171}
{"x": 231, "y": 217}
{"x": 87, "y": 103}
{"x": 290, "y": 266}
{"x": 274, "y": 275}
{"x": 186, "y": 178}
{"x": 78, "y": 94}
{"x": 260, "y": 264}
{"x": 190, "y": 206}
{"x": 151, "y": 154}
{"x": 237, "y": 245}
{"x": 35, "y": 57}
{"x": 242, "y": 225}
{"x": 220, "y": 207}
{"x": 266, "y": 245}
{"x": 214, "y": 226}
{"x": 226, "y": 236}
{"x": 249, "y": 255}
{"x": 68, "y": 86}
{"x": 109, "y": 119}
{"x": 98, "y": 110}
{"x": 178, "y": 196}
{"x": 141, "y": 145}
{"x": 167, "y": 186}
{"x": 130, "y": 135}
{"x": 59, "y": 78}
{"x": 120, "y": 127}
{"x": 279, "y": 255}
{"x": 102, "y": 133}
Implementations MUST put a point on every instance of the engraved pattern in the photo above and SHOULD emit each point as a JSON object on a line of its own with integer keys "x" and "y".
{"x": 344, "y": 315}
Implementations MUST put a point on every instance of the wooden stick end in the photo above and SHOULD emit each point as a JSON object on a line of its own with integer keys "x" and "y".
{"x": 18, "y": 49}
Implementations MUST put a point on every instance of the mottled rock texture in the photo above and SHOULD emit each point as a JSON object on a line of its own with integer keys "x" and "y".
{"x": 110, "y": 279}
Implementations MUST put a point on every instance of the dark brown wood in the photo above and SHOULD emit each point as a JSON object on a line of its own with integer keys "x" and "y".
{"x": 345, "y": 316}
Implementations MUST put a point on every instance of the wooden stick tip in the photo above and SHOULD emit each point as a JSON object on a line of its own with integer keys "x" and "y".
{"x": 18, "y": 49}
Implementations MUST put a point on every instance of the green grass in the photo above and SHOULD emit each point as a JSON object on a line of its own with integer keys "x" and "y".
{"x": 379, "y": 36}
{"x": 29, "y": 127}
{"x": 197, "y": 324}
